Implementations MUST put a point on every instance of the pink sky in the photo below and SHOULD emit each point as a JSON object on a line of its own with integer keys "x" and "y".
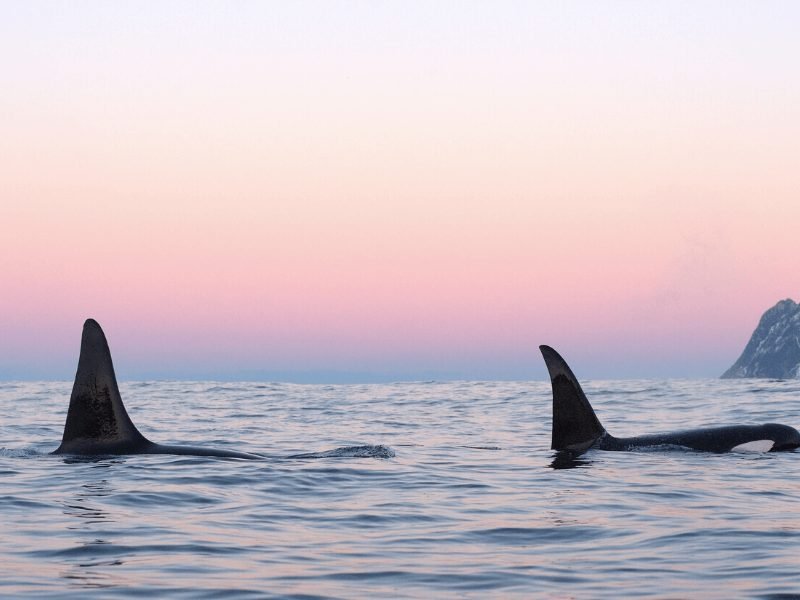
{"x": 344, "y": 191}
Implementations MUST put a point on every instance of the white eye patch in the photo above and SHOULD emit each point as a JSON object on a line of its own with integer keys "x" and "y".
{"x": 754, "y": 446}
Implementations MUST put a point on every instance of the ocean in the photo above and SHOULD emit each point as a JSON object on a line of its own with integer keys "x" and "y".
{"x": 407, "y": 490}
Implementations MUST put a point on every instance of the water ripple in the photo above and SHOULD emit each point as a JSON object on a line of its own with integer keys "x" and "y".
{"x": 423, "y": 489}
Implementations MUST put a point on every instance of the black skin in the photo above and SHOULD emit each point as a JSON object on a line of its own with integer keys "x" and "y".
{"x": 712, "y": 439}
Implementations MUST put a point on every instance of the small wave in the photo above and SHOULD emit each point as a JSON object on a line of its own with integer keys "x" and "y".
{"x": 379, "y": 451}
{"x": 524, "y": 536}
{"x": 216, "y": 389}
{"x": 625, "y": 392}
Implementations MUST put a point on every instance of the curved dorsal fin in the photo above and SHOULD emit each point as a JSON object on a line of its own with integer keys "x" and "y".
{"x": 97, "y": 422}
{"x": 575, "y": 426}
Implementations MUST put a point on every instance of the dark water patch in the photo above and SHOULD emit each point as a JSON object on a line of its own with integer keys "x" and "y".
{"x": 165, "y": 498}
{"x": 730, "y": 535}
{"x": 104, "y": 548}
{"x": 20, "y": 503}
{"x": 482, "y": 447}
{"x": 400, "y": 424}
{"x": 468, "y": 486}
{"x": 381, "y": 520}
{"x": 102, "y": 586}
{"x": 214, "y": 481}
{"x": 600, "y": 393}
{"x": 226, "y": 389}
{"x": 569, "y": 460}
{"x": 530, "y": 535}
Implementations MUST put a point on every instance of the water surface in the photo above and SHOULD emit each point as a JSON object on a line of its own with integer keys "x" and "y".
{"x": 470, "y": 505}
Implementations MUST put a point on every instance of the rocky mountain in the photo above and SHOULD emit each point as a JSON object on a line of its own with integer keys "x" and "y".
{"x": 774, "y": 348}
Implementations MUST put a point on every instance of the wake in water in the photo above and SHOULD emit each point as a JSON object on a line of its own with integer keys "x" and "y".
{"x": 19, "y": 452}
{"x": 379, "y": 451}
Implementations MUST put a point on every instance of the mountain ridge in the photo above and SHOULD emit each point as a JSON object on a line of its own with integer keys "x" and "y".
{"x": 774, "y": 347}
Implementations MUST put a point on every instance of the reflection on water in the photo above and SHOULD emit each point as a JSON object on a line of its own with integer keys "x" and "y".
{"x": 92, "y": 574}
{"x": 87, "y": 561}
{"x": 566, "y": 459}
{"x": 84, "y": 504}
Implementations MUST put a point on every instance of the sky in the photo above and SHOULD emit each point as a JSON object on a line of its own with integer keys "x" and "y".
{"x": 377, "y": 191}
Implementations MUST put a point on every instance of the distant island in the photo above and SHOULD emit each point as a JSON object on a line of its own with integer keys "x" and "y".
{"x": 774, "y": 348}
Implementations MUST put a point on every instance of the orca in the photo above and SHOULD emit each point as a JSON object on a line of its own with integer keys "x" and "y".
{"x": 97, "y": 422}
{"x": 577, "y": 429}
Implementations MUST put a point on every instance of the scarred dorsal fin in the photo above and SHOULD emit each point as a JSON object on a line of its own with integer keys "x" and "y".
{"x": 97, "y": 421}
{"x": 575, "y": 426}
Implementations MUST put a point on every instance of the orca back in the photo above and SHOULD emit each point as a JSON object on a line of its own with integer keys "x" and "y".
{"x": 770, "y": 437}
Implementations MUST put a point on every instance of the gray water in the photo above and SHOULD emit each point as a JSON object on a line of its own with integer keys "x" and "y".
{"x": 469, "y": 505}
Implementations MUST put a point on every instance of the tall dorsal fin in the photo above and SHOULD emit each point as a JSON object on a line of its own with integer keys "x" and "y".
{"x": 575, "y": 426}
{"x": 96, "y": 420}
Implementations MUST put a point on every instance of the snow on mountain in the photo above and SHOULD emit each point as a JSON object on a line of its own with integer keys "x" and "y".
{"x": 774, "y": 348}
